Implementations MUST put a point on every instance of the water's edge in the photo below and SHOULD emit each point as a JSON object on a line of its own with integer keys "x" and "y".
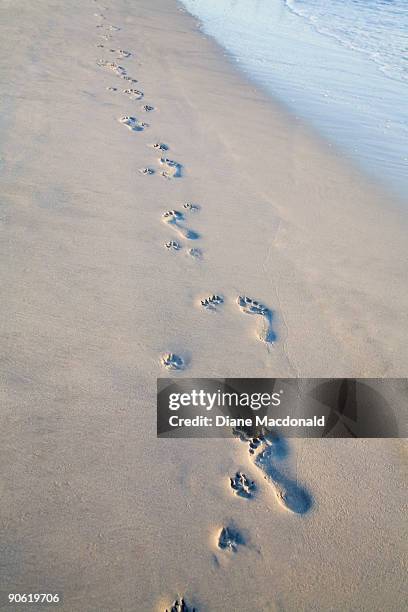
{"x": 364, "y": 121}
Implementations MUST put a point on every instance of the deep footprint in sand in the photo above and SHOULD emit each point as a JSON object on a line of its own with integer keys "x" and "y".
{"x": 268, "y": 450}
{"x": 242, "y": 485}
{"x": 179, "y": 605}
{"x": 229, "y": 539}
{"x": 211, "y": 302}
{"x": 172, "y": 168}
{"x": 289, "y": 493}
{"x": 250, "y": 306}
{"x": 171, "y": 361}
{"x": 132, "y": 123}
{"x": 244, "y": 436}
{"x": 175, "y": 218}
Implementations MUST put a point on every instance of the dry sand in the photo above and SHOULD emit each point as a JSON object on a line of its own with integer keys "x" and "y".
{"x": 91, "y": 502}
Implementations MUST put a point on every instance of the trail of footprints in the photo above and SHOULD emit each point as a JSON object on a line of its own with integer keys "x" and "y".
{"x": 266, "y": 450}
{"x": 168, "y": 168}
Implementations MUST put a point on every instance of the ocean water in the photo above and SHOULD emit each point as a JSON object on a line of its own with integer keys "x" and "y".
{"x": 342, "y": 65}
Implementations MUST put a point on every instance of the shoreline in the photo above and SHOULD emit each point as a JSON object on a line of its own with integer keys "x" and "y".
{"x": 280, "y": 96}
{"x": 97, "y": 306}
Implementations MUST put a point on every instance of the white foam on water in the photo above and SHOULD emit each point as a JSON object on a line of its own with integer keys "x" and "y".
{"x": 377, "y": 28}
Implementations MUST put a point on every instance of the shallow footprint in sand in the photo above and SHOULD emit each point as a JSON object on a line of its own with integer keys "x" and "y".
{"x": 195, "y": 253}
{"x": 119, "y": 70}
{"x": 171, "y": 361}
{"x": 242, "y": 485}
{"x": 175, "y": 218}
{"x": 250, "y": 306}
{"x": 172, "y": 245}
{"x": 132, "y": 123}
{"x": 172, "y": 168}
{"x": 146, "y": 171}
{"x": 229, "y": 539}
{"x": 212, "y": 301}
{"x": 134, "y": 94}
{"x": 191, "y": 207}
{"x": 161, "y": 146}
{"x": 121, "y": 53}
{"x": 179, "y": 605}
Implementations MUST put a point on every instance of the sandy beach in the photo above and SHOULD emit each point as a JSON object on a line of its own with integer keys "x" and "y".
{"x": 108, "y": 245}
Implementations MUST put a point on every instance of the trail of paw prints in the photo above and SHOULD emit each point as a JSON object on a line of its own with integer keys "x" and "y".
{"x": 176, "y": 220}
{"x": 171, "y": 168}
{"x": 104, "y": 27}
{"x": 132, "y": 93}
{"x": 267, "y": 451}
{"x": 118, "y": 69}
{"x": 180, "y": 605}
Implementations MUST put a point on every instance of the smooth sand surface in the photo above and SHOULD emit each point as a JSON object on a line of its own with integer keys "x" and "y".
{"x": 91, "y": 502}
